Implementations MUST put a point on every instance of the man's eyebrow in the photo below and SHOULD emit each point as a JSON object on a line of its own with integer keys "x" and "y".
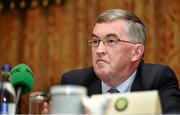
{"x": 107, "y": 35}
{"x": 110, "y": 34}
{"x": 93, "y": 35}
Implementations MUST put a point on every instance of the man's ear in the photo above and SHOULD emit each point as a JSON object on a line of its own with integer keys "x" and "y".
{"x": 137, "y": 52}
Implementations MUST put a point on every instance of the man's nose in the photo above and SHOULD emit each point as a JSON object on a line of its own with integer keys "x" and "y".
{"x": 101, "y": 48}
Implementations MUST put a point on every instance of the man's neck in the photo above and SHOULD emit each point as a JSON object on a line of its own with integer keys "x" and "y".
{"x": 123, "y": 75}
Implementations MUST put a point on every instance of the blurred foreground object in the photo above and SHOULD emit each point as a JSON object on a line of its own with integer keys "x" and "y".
{"x": 120, "y": 103}
{"x": 36, "y": 101}
{"x": 7, "y": 92}
{"x": 66, "y": 99}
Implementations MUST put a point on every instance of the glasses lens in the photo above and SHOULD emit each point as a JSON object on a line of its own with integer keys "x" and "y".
{"x": 110, "y": 40}
{"x": 93, "y": 43}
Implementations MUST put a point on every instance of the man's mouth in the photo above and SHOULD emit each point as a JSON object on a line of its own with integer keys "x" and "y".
{"x": 101, "y": 61}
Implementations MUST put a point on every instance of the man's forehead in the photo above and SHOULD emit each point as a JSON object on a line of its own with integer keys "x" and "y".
{"x": 118, "y": 27}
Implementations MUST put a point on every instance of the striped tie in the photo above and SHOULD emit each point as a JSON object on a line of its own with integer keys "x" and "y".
{"x": 113, "y": 90}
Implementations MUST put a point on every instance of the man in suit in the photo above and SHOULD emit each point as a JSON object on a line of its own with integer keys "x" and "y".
{"x": 118, "y": 43}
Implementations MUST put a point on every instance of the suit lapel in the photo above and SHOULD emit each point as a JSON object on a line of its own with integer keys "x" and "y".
{"x": 94, "y": 87}
{"x": 137, "y": 83}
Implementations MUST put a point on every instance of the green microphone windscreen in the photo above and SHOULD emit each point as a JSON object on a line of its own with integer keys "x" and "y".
{"x": 22, "y": 76}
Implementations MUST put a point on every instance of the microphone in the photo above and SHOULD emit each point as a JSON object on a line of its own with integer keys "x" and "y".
{"x": 23, "y": 80}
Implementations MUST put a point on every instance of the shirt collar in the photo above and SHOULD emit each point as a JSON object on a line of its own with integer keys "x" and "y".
{"x": 123, "y": 87}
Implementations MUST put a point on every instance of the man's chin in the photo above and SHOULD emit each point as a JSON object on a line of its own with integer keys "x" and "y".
{"x": 101, "y": 70}
{"x": 103, "y": 75}
{"x": 101, "y": 65}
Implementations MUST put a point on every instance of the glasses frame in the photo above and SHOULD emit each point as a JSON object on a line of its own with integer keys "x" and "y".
{"x": 90, "y": 42}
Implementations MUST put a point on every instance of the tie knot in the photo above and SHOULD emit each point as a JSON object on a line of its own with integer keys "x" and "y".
{"x": 113, "y": 90}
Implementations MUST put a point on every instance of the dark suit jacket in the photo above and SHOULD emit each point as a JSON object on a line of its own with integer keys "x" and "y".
{"x": 148, "y": 77}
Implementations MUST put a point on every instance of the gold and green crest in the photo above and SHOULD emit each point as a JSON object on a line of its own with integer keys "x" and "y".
{"x": 121, "y": 104}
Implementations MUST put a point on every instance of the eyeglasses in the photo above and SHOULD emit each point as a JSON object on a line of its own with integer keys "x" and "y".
{"x": 110, "y": 40}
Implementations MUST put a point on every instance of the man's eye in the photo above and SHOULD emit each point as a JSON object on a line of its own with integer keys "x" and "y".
{"x": 110, "y": 40}
{"x": 95, "y": 41}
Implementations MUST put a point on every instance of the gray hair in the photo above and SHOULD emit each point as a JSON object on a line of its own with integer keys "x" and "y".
{"x": 136, "y": 28}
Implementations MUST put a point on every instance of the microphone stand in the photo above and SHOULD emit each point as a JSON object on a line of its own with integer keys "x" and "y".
{"x": 18, "y": 99}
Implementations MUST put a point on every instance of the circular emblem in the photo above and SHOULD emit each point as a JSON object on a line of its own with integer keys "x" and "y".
{"x": 121, "y": 104}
